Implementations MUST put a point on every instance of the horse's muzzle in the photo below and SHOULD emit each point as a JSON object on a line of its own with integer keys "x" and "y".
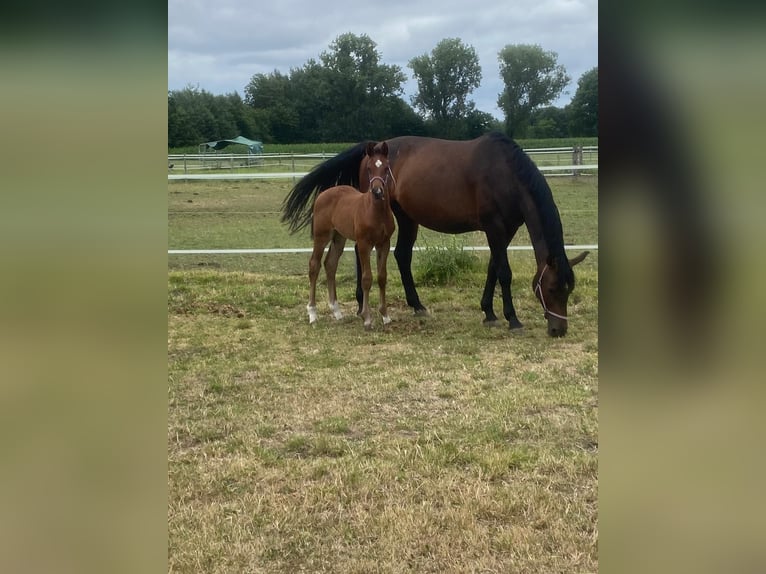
{"x": 557, "y": 327}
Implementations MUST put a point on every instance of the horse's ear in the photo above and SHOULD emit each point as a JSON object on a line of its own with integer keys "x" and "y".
{"x": 370, "y": 148}
{"x": 575, "y": 260}
{"x": 384, "y": 148}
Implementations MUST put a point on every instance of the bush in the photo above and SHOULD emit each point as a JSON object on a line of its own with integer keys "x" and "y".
{"x": 445, "y": 264}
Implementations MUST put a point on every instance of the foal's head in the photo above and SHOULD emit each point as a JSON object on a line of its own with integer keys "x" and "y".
{"x": 378, "y": 170}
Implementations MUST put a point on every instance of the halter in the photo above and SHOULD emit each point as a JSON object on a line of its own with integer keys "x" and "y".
{"x": 384, "y": 181}
{"x": 539, "y": 287}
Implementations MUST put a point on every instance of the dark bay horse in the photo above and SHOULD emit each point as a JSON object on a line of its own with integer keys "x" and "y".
{"x": 341, "y": 213}
{"x": 486, "y": 184}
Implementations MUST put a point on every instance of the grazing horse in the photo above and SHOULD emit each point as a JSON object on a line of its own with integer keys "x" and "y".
{"x": 486, "y": 184}
{"x": 342, "y": 212}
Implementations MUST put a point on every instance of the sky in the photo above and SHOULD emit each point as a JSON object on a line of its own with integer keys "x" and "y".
{"x": 219, "y": 45}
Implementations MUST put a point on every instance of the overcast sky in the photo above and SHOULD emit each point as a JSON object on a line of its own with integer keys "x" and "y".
{"x": 218, "y": 45}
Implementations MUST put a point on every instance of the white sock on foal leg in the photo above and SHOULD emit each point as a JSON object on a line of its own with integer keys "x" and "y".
{"x": 335, "y": 307}
{"x": 312, "y": 314}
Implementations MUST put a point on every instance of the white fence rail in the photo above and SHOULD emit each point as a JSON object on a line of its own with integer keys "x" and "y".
{"x": 552, "y": 161}
{"x": 348, "y": 249}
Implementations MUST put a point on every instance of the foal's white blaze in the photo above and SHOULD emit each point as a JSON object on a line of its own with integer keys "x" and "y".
{"x": 312, "y": 314}
{"x": 335, "y": 307}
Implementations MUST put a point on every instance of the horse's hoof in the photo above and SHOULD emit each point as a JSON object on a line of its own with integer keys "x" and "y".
{"x": 386, "y": 319}
{"x": 491, "y": 323}
{"x": 422, "y": 312}
{"x": 514, "y": 323}
{"x": 368, "y": 326}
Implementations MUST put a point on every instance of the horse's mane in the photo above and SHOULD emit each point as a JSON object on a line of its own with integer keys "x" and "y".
{"x": 341, "y": 169}
{"x": 526, "y": 171}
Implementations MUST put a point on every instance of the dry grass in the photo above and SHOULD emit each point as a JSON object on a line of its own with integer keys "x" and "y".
{"x": 434, "y": 445}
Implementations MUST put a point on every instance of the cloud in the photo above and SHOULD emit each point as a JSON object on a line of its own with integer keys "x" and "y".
{"x": 220, "y": 46}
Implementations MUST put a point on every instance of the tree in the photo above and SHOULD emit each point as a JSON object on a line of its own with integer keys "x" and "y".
{"x": 549, "y": 122}
{"x": 345, "y": 95}
{"x": 532, "y": 79}
{"x": 356, "y": 85}
{"x": 583, "y": 110}
{"x": 445, "y": 80}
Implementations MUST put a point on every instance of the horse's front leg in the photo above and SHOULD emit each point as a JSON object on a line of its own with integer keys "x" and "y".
{"x": 498, "y": 248}
{"x": 364, "y": 259}
{"x": 381, "y": 253}
{"x": 405, "y": 241}
{"x": 487, "y": 303}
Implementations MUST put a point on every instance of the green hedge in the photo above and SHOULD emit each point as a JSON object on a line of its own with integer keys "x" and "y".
{"x": 333, "y": 148}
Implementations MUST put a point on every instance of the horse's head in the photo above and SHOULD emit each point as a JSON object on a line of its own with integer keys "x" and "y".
{"x": 553, "y": 283}
{"x": 378, "y": 169}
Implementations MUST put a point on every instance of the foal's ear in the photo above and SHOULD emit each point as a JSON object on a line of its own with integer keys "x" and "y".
{"x": 575, "y": 260}
{"x": 370, "y": 148}
{"x": 384, "y": 149}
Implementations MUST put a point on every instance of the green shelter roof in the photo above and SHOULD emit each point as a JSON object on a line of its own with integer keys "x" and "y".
{"x": 253, "y": 145}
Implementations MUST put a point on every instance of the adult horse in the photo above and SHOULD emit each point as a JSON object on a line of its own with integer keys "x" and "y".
{"x": 341, "y": 213}
{"x": 486, "y": 184}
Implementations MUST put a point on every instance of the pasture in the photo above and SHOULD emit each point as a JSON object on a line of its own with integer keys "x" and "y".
{"x": 433, "y": 444}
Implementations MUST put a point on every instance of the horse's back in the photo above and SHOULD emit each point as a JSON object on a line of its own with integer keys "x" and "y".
{"x": 438, "y": 182}
{"x": 335, "y": 208}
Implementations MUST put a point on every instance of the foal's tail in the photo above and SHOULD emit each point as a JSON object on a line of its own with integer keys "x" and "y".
{"x": 342, "y": 169}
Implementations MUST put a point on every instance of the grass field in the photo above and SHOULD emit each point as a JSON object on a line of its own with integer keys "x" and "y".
{"x": 434, "y": 444}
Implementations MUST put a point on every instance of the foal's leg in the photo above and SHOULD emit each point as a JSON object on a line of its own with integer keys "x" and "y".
{"x": 315, "y": 262}
{"x": 364, "y": 259}
{"x": 331, "y": 266}
{"x": 381, "y": 253}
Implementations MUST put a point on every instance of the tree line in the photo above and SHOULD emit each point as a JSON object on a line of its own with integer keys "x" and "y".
{"x": 348, "y": 94}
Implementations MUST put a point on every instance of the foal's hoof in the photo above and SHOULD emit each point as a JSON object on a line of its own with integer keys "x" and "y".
{"x": 514, "y": 323}
{"x": 368, "y": 326}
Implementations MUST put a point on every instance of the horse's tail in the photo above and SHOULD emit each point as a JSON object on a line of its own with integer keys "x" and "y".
{"x": 342, "y": 169}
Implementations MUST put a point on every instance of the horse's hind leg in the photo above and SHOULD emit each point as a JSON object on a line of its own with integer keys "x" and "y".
{"x": 381, "y": 253}
{"x": 315, "y": 262}
{"x": 331, "y": 267}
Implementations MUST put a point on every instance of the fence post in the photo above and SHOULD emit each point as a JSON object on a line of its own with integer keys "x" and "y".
{"x": 184, "y": 164}
{"x": 576, "y": 159}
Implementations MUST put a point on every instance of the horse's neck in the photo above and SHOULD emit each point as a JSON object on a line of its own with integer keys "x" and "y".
{"x": 378, "y": 206}
{"x": 535, "y": 229}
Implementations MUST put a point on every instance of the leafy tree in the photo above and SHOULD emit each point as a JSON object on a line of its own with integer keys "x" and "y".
{"x": 196, "y": 116}
{"x": 583, "y": 110}
{"x": 549, "y": 122}
{"x": 445, "y": 80}
{"x": 355, "y": 86}
{"x": 270, "y": 95}
{"x": 532, "y": 79}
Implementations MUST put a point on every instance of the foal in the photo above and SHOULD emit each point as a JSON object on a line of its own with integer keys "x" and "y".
{"x": 341, "y": 213}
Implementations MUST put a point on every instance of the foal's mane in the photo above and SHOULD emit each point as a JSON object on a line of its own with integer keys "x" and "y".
{"x": 540, "y": 192}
